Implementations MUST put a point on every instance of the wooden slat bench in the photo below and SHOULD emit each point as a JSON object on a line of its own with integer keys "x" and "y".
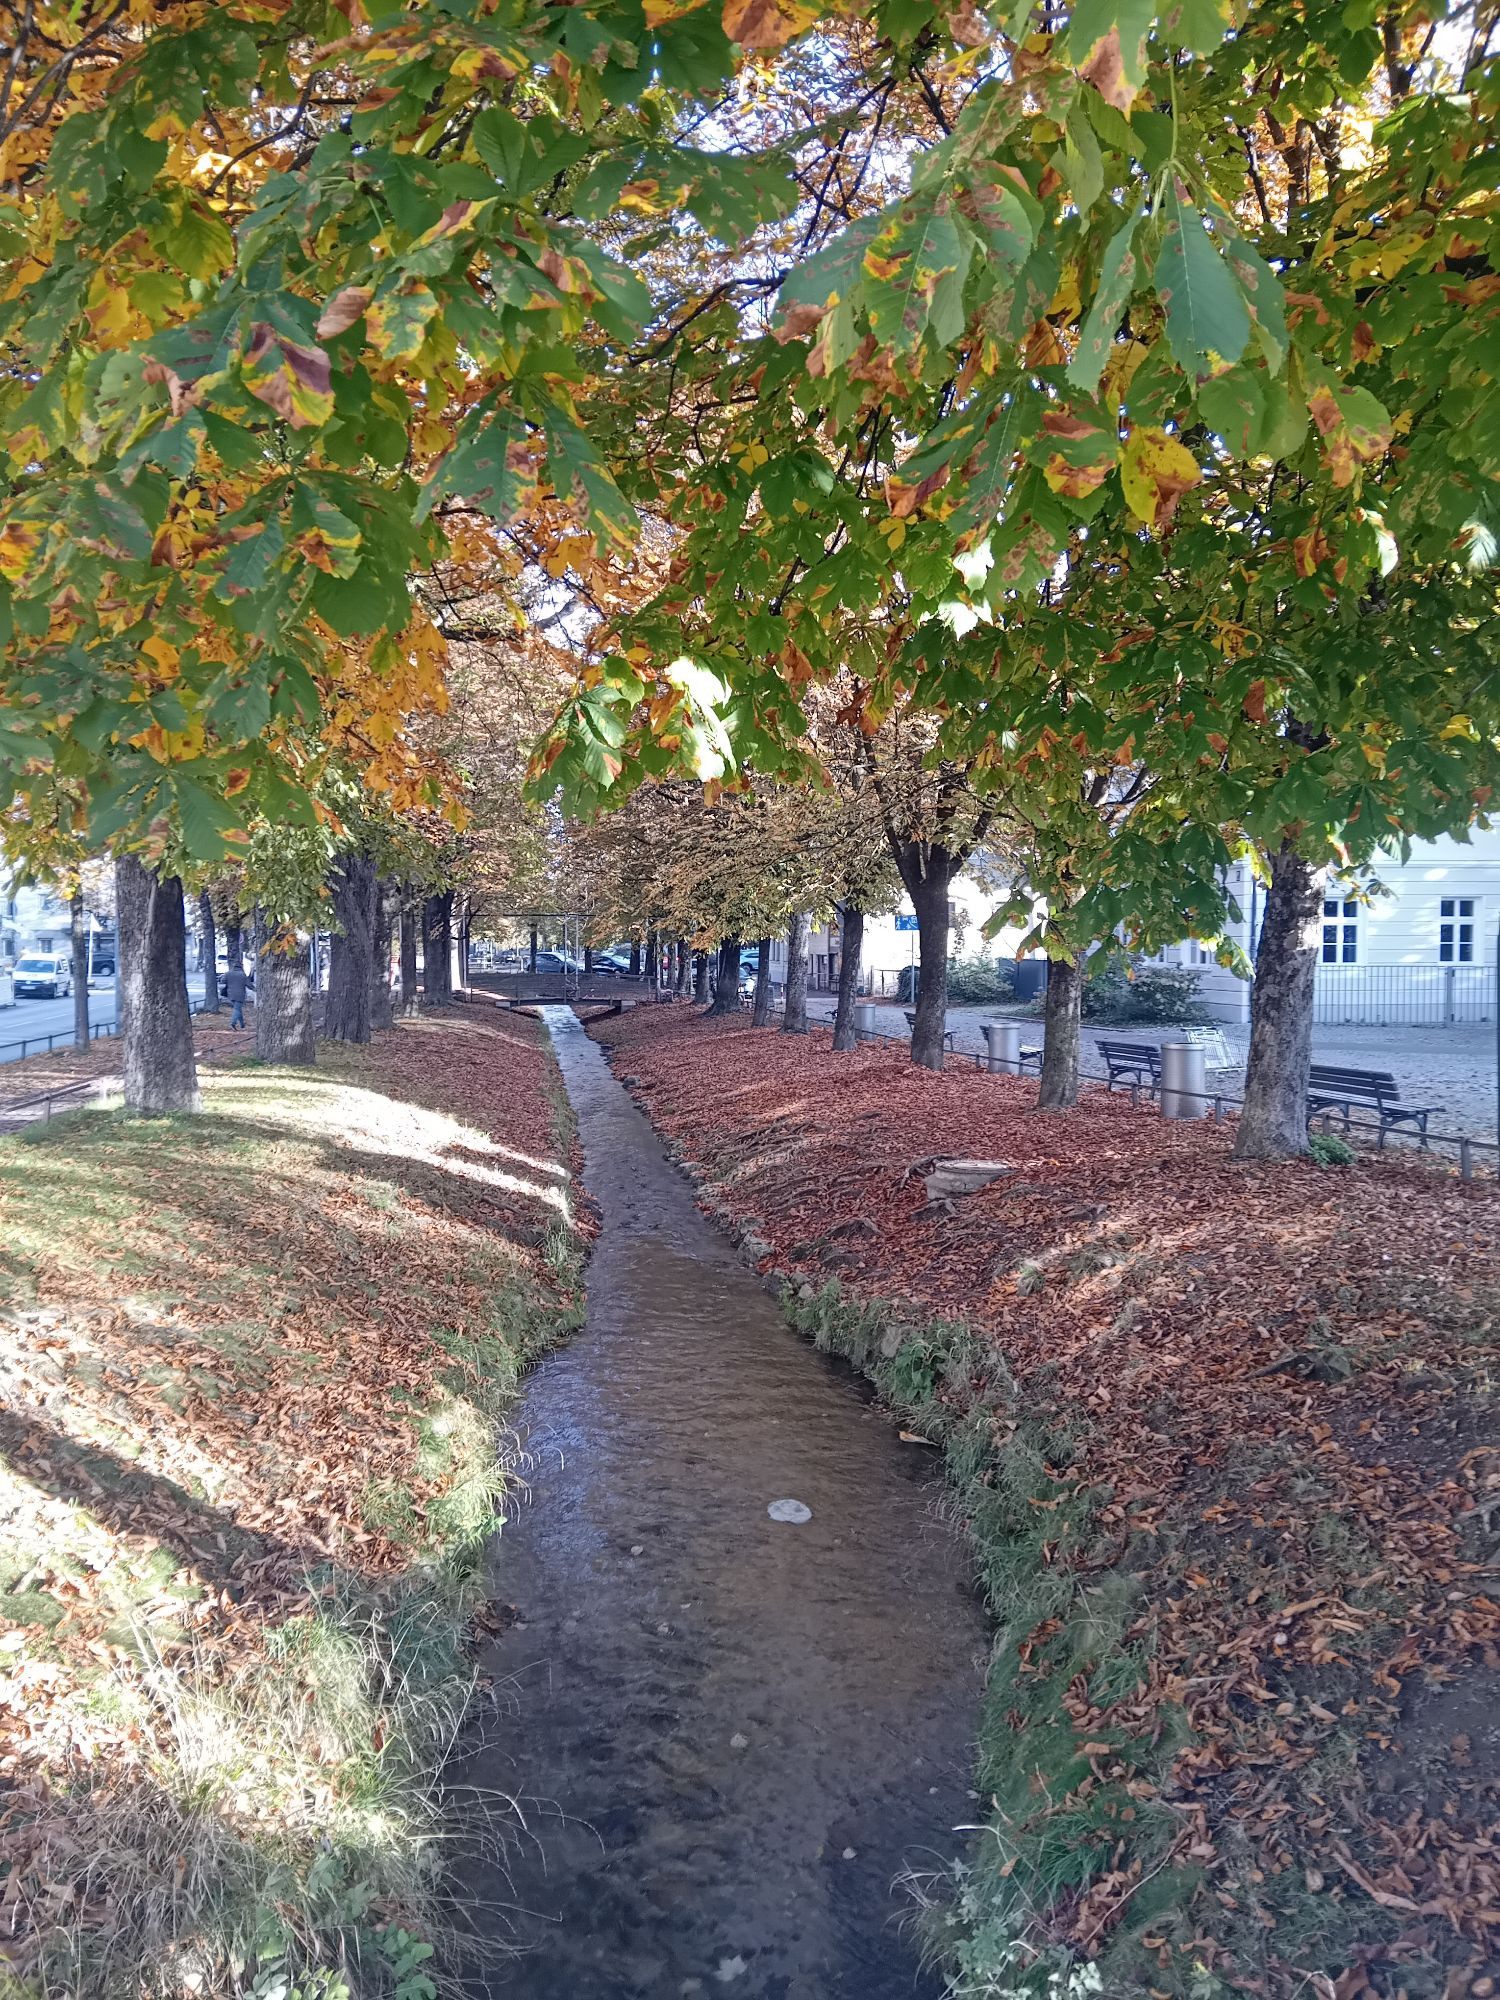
{"x": 1332, "y": 1087}
{"x": 1137, "y": 1062}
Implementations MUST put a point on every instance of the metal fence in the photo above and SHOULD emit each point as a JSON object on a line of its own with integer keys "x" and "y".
{"x": 1404, "y": 995}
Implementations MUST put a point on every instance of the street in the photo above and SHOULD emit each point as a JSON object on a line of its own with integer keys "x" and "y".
{"x": 33, "y": 1020}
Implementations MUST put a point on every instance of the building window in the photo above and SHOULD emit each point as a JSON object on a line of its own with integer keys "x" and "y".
{"x": 1456, "y": 930}
{"x": 1340, "y": 930}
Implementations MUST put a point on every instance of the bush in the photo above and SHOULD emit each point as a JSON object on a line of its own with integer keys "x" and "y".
{"x": 971, "y": 982}
{"x": 1329, "y": 1150}
{"x": 1119, "y": 990}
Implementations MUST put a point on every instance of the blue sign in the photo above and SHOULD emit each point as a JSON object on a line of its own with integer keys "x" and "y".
{"x": 905, "y": 923}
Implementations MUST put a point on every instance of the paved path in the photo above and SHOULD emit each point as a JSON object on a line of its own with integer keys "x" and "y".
{"x": 1453, "y": 1067}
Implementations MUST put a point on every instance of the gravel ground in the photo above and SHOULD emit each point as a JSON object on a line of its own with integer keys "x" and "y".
{"x": 1452, "y": 1067}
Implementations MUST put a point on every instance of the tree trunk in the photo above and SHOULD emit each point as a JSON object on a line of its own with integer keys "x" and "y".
{"x": 929, "y": 895}
{"x": 727, "y": 998}
{"x": 700, "y": 976}
{"x": 283, "y": 995}
{"x": 649, "y": 968}
{"x": 78, "y": 939}
{"x": 156, "y": 1027}
{"x": 635, "y": 958}
{"x": 588, "y": 961}
{"x": 387, "y": 912}
{"x": 409, "y": 1001}
{"x": 851, "y": 950}
{"x": 794, "y": 1017}
{"x": 1273, "y": 1123}
{"x": 208, "y": 931}
{"x": 1062, "y": 1012}
{"x": 761, "y": 1015}
{"x": 351, "y": 952}
{"x": 461, "y": 937}
{"x": 437, "y": 950}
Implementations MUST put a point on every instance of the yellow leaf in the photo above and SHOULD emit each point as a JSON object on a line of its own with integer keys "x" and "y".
{"x": 163, "y": 656}
{"x": 1155, "y": 471}
{"x": 1458, "y": 725}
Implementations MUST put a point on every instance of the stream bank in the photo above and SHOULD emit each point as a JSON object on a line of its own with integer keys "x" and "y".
{"x": 727, "y": 1734}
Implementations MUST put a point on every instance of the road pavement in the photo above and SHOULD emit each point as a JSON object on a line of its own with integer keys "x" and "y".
{"x": 33, "y": 1020}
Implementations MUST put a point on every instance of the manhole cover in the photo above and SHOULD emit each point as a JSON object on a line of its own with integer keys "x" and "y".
{"x": 789, "y": 1510}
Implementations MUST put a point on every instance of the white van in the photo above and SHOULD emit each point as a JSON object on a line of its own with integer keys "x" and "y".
{"x": 41, "y": 973}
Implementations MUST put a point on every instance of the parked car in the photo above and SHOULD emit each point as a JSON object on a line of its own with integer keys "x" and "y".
{"x": 40, "y": 973}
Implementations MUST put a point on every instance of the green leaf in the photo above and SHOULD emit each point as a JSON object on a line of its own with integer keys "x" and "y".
{"x": 1207, "y": 320}
{"x": 1119, "y": 279}
{"x": 1005, "y": 212}
{"x": 835, "y": 272}
{"x": 914, "y": 272}
{"x": 487, "y": 465}
{"x": 580, "y": 475}
{"x": 1199, "y": 25}
{"x": 204, "y": 817}
{"x": 323, "y": 534}
{"x": 1234, "y": 405}
{"x": 195, "y": 239}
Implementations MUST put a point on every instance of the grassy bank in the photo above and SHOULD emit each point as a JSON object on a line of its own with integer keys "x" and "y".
{"x": 255, "y": 1366}
{"x": 1225, "y": 1438}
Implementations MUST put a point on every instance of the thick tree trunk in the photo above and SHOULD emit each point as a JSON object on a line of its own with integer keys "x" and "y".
{"x": 156, "y": 1027}
{"x": 387, "y": 914}
{"x": 531, "y": 961}
{"x": 1062, "y": 1012}
{"x": 929, "y": 895}
{"x": 588, "y": 961}
{"x": 794, "y": 1016}
{"x": 635, "y": 958}
{"x": 851, "y": 950}
{"x": 684, "y": 965}
{"x": 409, "y": 1000}
{"x": 700, "y": 976}
{"x": 1273, "y": 1123}
{"x": 208, "y": 932}
{"x": 727, "y": 998}
{"x": 78, "y": 939}
{"x": 437, "y": 949}
{"x": 650, "y": 965}
{"x": 761, "y": 1017}
{"x": 283, "y": 995}
{"x": 351, "y": 952}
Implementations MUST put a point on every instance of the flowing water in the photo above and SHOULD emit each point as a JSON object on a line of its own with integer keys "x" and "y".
{"x": 727, "y": 1734}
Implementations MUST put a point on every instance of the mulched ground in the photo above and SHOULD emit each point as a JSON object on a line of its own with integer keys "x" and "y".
{"x": 1279, "y": 1372}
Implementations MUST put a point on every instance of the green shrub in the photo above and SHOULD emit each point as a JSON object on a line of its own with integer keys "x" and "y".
{"x": 972, "y": 982}
{"x": 1329, "y": 1150}
{"x": 1121, "y": 990}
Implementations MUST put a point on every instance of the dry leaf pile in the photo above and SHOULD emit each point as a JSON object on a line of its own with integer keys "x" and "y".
{"x": 1274, "y": 1384}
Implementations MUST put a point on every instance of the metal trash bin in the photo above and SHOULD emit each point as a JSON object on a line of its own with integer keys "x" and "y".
{"x": 1004, "y": 1038}
{"x": 1184, "y": 1081}
{"x": 864, "y": 1019}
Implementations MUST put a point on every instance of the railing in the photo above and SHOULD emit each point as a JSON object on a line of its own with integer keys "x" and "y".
{"x": 1221, "y": 1102}
{"x": 65, "y": 1037}
{"x": 1404, "y": 995}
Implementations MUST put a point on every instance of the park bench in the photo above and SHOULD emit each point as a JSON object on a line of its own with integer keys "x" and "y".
{"x": 1137, "y": 1062}
{"x": 1334, "y": 1088}
{"x": 911, "y": 1022}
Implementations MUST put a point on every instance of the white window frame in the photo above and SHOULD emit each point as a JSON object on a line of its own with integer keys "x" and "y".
{"x": 1340, "y": 934}
{"x": 1458, "y": 930}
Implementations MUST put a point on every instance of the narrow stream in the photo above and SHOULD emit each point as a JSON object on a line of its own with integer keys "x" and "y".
{"x": 728, "y": 1734}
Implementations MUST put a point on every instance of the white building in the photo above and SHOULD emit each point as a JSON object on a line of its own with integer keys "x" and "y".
{"x": 890, "y": 941}
{"x": 1403, "y": 942}
{"x": 32, "y": 919}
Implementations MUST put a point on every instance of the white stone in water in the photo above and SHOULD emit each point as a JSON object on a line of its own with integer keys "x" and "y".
{"x": 789, "y": 1510}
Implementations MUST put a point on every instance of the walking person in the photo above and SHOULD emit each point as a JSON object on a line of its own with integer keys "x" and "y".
{"x": 234, "y": 991}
